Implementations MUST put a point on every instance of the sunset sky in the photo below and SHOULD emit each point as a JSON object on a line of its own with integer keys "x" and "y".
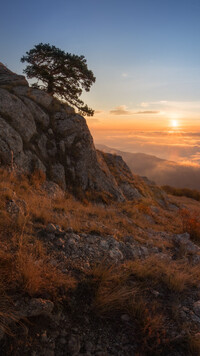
{"x": 145, "y": 55}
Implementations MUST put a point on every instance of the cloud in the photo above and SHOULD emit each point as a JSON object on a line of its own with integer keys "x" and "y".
{"x": 148, "y": 112}
{"x": 98, "y": 111}
{"x": 93, "y": 120}
{"x": 178, "y": 174}
{"x": 144, "y": 105}
{"x": 120, "y": 110}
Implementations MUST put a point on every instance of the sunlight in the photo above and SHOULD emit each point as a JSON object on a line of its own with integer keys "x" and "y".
{"x": 174, "y": 123}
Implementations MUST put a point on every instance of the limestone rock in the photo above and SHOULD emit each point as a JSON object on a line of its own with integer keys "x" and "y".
{"x": 17, "y": 114}
{"x": 57, "y": 175}
{"x": 39, "y": 115}
{"x": 38, "y": 131}
{"x": 10, "y": 143}
{"x": 8, "y": 78}
{"x": 196, "y": 308}
{"x": 34, "y": 307}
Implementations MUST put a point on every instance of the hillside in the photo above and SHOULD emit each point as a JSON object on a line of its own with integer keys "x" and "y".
{"x": 161, "y": 171}
{"x": 94, "y": 260}
{"x": 40, "y": 133}
{"x": 90, "y": 279}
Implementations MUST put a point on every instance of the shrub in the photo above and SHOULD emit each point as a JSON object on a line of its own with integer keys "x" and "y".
{"x": 191, "y": 223}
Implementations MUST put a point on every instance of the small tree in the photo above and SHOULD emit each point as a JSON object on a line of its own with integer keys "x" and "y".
{"x": 61, "y": 74}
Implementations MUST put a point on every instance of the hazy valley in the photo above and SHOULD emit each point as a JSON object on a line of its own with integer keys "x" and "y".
{"x": 162, "y": 172}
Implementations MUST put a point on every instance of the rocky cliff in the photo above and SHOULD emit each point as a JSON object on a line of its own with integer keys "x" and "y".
{"x": 38, "y": 132}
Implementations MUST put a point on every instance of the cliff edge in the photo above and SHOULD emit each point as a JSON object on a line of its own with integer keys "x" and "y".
{"x": 38, "y": 132}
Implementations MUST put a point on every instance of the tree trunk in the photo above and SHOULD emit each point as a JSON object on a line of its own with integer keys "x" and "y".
{"x": 50, "y": 86}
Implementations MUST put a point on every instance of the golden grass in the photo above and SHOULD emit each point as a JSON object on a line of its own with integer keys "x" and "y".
{"x": 25, "y": 267}
{"x": 191, "y": 223}
{"x": 177, "y": 276}
{"x": 186, "y": 192}
{"x": 116, "y": 294}
{"x": 117, "y": 285}
{"x": 128, "y": 289}
{"x": 118, "y": 219}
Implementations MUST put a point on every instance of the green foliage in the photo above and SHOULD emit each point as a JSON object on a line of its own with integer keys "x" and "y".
{"x": 62, "y": 74}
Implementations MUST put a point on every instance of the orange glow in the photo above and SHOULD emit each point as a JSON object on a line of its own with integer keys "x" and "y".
{"x": 174, "y": 123}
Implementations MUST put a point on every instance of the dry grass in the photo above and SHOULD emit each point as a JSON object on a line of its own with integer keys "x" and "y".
{"x": 25, "y": 267}
{"x": 117, "y": 294}
{"x": 177, "y": 276}
{"x": 128, "y": 289}
{"x": 186, "y": 192}
{"x": 118, "y": 219}
{"x": 117, "y": 285}
{"x": 191, "y": 223}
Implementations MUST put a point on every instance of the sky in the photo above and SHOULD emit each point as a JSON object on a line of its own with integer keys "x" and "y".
{"x": 145, "y": 55}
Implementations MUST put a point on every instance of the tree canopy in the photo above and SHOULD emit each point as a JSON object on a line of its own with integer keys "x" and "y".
{"x": 60, "y": 73}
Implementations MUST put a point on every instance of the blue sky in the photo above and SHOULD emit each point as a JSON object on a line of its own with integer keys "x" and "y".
{"x": 145, "y": 54}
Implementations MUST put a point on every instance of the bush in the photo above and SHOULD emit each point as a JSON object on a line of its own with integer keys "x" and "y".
{"x": 191, "y": 223}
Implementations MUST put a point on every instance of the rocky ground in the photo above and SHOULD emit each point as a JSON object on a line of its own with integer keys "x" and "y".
{"x": 92, "y": 318}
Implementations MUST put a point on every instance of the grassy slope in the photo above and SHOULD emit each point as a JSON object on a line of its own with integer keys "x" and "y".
{"x": 26, "y": 269}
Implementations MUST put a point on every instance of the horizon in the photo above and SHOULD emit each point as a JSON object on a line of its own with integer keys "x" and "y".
{"x": 145, "y": 56}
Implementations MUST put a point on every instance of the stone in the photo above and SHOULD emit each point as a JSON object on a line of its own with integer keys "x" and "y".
{"x": 8, "y": 78}
{"x": 14, "y": 111}
{"x": 183, "y": 240}
{"x": 11, "y": 145}
{"x": 125, "y": 317}
{"x": 130, "y": 192}
{"x": 104, "y": 245}
{"x": 29, "y": 162}
{"x": 74, "y": 345}
{"x": 40, "y": 97}
{"x": 116, "y": 254}
{"x": 42, "y": 146}
{"x": 33, "y": 307}
{"x": 59, "y": 242}
{"x": 12, "y": 207}
{"x": 50, "y": 228}
{"x": 196, "y": 308}
{"x": 39, "y": 115}
{"x": 57, "y": 175}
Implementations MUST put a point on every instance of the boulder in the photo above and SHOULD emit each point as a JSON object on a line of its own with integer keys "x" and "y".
{"x": 8, "y": 78}
{"x": 17, "y": 114}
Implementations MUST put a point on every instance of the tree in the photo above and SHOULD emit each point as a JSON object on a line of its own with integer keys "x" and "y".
{"x": 62, "y": 74}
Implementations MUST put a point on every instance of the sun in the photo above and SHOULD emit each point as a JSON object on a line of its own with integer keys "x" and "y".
{"x": 174, "y": 123}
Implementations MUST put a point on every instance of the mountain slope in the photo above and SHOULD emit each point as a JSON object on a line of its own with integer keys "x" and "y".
{"x": 117, "y": 276}
{"x": 159, "y": 170}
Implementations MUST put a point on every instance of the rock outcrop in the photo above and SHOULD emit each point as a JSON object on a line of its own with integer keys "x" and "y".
{"x": 38, "y": 132}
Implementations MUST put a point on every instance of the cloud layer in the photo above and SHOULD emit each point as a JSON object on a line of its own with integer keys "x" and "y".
{"x": 122, "y": 110}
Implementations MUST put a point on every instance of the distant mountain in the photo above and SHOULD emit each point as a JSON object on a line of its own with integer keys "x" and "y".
{"x": 159, "y": 170}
